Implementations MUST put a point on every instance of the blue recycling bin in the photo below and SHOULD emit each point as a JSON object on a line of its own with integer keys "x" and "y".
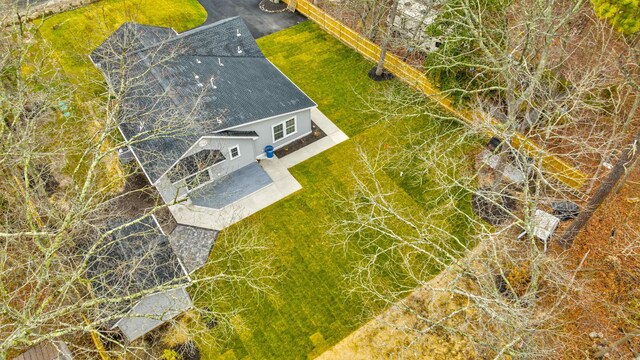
{"x": 269, "y": 151}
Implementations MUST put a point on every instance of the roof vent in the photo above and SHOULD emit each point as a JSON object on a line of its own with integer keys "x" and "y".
{"x": 220, "y": 62}
{"x": 239, "y": 50}
{"x": 219, "y": 121}
{"x": 197, "y": 77}
{"x": 200, "y": 84}
{"x": 198, "y": 61}
{"x": 238, "y": 32}
{"x": 212, "y": 84}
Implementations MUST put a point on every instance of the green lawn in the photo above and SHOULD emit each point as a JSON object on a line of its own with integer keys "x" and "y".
{"x": 73, "y": 35}
{"x": 311, "y": 309}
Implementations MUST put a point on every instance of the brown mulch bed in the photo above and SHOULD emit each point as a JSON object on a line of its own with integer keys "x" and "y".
{"x": 139, "y": 197}
{"x": 316, "y": 134}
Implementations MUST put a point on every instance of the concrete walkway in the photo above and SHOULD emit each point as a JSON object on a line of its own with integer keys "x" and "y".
{"x": 283, "y": 185}
{"x": 334, "y": 137}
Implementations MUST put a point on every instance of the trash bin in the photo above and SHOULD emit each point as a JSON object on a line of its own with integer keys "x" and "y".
{"x": 269, "y": 151}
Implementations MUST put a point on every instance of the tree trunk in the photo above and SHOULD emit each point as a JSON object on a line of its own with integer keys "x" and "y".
{"x": 619, "y": 169}
{"x": 385, "y": 40}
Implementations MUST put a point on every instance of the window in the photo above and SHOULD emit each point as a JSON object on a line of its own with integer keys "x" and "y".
{"x": 284, "y": 129}
{"x": 290, "y": 126}
{"x": 198, "y": 179}
{"x": 195, "y": 163}
{"x": 234, "y": 152}
{"x": 278, "y": 132}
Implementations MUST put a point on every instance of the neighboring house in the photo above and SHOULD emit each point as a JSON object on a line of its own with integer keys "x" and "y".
{"x": 55, "y": 350}
{"x": 411, "y": 21}
{"x": 134, "y": 260}
{"x": 236, "y": 101}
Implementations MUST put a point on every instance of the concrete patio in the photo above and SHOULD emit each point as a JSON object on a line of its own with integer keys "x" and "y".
{"x": 231, "y": 188}
{"x": 248, "y": 202}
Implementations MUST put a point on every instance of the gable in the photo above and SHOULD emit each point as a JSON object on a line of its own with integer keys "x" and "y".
{"x": 214, "y": 76}
{"x": 192, "y": 164}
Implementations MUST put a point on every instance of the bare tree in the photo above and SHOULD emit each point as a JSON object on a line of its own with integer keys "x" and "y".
{"x": 503, "y": 291}
{"x": 515, "y": 63}
{"x": 60, "y": 196}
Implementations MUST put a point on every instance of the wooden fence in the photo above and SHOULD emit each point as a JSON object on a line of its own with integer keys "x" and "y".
{"x": 556, "y": 167}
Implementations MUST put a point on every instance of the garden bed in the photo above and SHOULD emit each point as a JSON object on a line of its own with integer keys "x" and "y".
{"x": 316, "y": 134}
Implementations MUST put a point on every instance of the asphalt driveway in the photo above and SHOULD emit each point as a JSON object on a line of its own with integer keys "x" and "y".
{"x": 259, "y": 22}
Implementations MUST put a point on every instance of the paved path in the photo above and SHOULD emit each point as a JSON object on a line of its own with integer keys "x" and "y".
{"x": 259, "y": 22}
{"x": 283, "y": 185}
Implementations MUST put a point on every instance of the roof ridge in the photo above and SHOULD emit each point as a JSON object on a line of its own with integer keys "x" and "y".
{"x": 225, "y": 56}
{"x": 182, "y": 35}
{"x": 206, "y": 26}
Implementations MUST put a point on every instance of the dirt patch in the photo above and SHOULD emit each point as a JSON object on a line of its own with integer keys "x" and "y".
{"x": 491, "y": 207}
{"x": 139, "y": 197}
{"x": 316, "y": 134}
{"x": 611, "y": 270}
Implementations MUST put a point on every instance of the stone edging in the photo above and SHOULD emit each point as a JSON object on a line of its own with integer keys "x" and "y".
{"x": 263, "y": 7}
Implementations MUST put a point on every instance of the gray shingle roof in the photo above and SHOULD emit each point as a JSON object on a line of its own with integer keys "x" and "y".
{"x": 193, "y": 245}
{"x": 220, "y": 64}
{"x": 133, "y": 258}
{"x": 56, "y": 350}
{"x": 128, "y": 38}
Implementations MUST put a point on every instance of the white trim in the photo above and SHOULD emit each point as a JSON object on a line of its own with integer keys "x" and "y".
{"x": 184, "y": 269}
{"x": 236, "y": 146}
{"x": 273, "y": 132}
{"x": 284, "y": 129}
{"x": 258, "y": 156}
{"x": 137, "y": 159}
{"x": 153, "y": 216}
{"x": 203, "y": 137}
{"x": 214, "y": 136}
{"x": 267, "y": 118}
{"x": 197, "y": 172}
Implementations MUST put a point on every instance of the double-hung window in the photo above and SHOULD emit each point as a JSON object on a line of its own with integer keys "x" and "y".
{"x": 278, "y": 132}
{"x": 284, "y": 129}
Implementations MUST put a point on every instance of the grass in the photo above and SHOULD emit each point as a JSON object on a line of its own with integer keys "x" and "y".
{"x": 74, "y": 34}
{"x": 311, "y": 309}
{"x": 71, "y": 37}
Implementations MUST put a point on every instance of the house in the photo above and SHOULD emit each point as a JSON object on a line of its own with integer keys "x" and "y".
{"x": 411, "y": 21}
{"x": 236, "y": 102}
{"x": 136, "y": 260}
{"x": 53, "y": 350}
